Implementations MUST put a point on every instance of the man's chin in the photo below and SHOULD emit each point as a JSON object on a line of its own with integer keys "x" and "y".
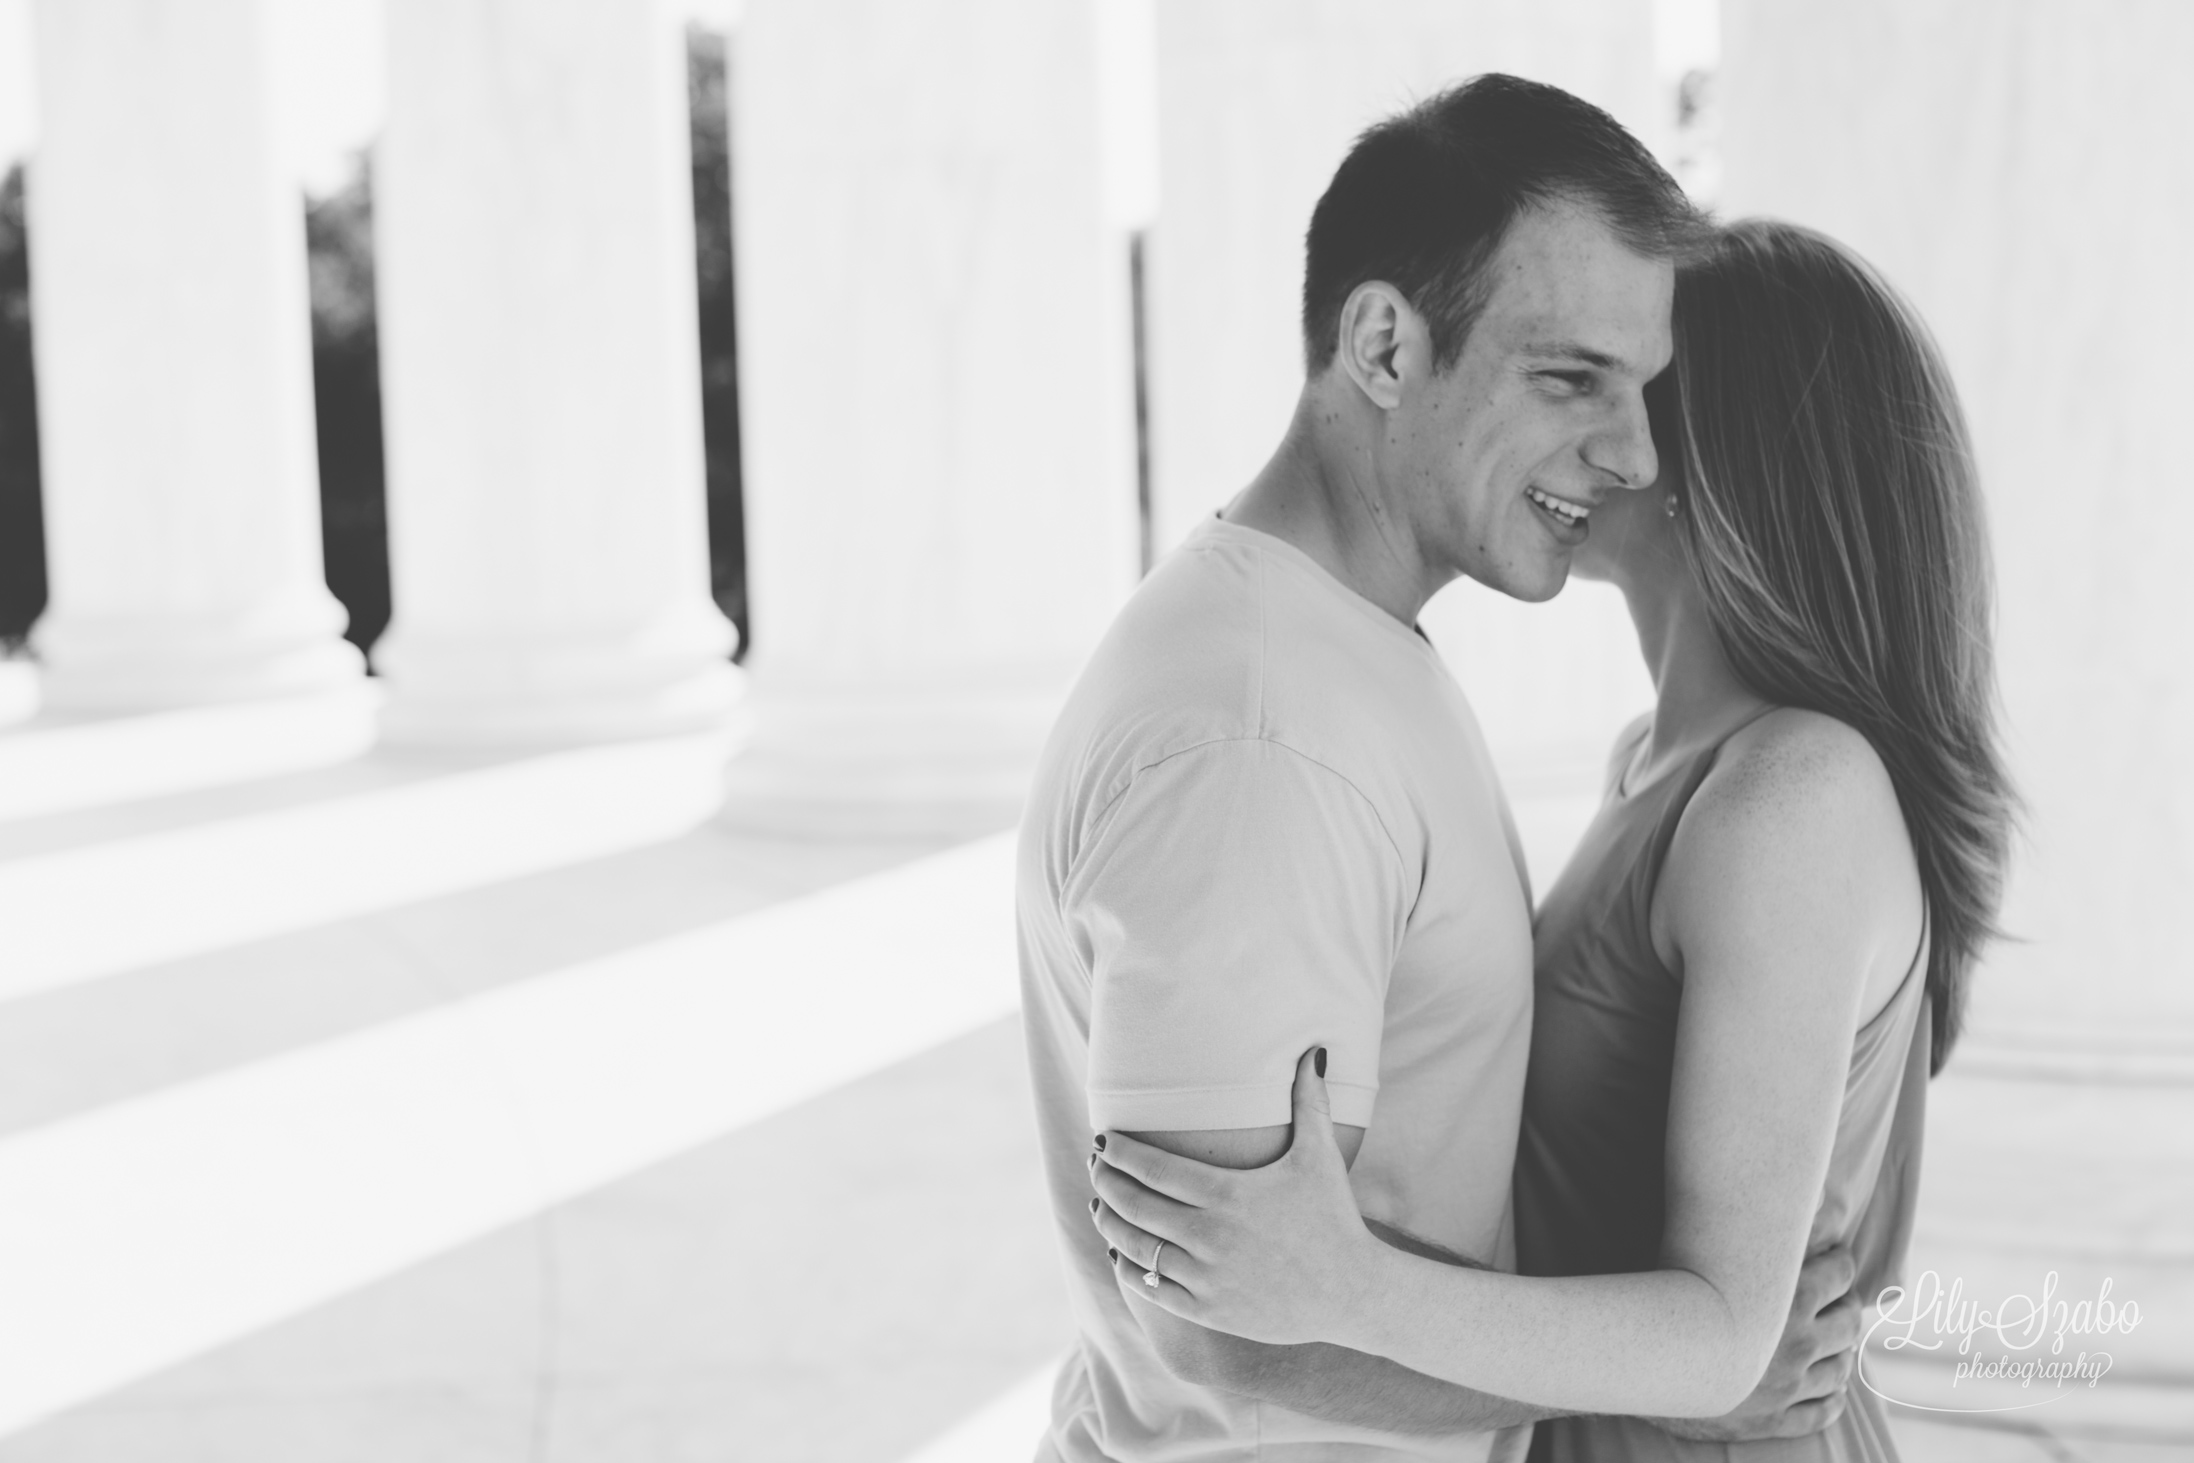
{"x": 1534, "y": 583}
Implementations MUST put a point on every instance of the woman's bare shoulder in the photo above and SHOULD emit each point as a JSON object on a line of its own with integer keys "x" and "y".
{"x": 1794, "y": 763}
{"x": 1798, "y": 817}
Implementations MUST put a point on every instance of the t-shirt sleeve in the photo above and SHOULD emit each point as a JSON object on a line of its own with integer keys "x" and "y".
{"x": 1240, "y": 904}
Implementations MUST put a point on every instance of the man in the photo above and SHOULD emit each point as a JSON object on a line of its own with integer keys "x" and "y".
{"x": 1266, "y": 817}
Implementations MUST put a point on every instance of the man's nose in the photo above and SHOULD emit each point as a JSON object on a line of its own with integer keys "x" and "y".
{"x": 1623, "y": 447}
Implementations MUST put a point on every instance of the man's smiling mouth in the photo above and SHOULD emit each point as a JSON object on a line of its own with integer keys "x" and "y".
{"x": 1569, "y": 513}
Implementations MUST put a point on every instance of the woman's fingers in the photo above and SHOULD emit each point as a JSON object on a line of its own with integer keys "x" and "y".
{"x": 1803, "y": 1419}
{"x": 1142, "y": 1207}
{"x": 1139, "y": 1247}
{"x": 1182, "y": 1179}
{"x": 1830, "y": 1375}
{"x": 1312, "y": 1105}
{"x": 1122, "y": 1235}
{"x": 1825, "y": 1280}
{"x": 1168, "y": 1293}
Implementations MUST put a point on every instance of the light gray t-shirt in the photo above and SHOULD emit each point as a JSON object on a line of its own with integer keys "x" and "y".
{"x": 1266, "y": 819}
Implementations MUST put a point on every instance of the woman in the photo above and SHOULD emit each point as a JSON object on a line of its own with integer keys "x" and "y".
{"x": 1758, "y": 952}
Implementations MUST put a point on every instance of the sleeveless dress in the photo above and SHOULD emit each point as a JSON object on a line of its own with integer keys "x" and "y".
{"x": 1590, "y": 1161}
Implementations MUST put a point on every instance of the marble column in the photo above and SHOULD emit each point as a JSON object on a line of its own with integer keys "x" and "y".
{"x": 936, "y": 400}
{"x": 2019, "y": 169}
{"x": 1258, "y": 103}
{"x": 541, "y": 378}
{"x": 174, "y": 367}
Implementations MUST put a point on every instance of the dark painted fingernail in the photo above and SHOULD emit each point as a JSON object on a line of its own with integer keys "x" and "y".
{"x": 1100, "y": 1142}
{"x": 1093, "y": 1160}
{"x": 1319, "y": 1061}
{"x": 1112, "y": 1254}
{"x": 1093, "y": 1206}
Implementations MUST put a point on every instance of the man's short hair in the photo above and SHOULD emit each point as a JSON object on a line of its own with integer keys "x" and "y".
{"x": 1424, "y": 198}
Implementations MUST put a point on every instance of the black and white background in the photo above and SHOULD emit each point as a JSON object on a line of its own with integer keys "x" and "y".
{"x": 539, "y": 537}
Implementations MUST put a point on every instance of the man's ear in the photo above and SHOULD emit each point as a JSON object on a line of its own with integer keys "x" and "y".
{"x": 1379, "y": 334}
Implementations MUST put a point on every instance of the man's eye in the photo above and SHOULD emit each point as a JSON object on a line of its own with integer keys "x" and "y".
{"x": 1574, "y": 382}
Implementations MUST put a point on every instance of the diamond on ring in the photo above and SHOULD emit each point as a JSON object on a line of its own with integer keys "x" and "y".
{"x": 1151, "y": 1277}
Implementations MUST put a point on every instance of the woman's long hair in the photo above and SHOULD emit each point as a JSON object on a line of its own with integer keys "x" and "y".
{"x": 1832, "y": 512}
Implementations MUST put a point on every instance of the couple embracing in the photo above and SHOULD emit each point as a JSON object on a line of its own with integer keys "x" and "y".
{"x": 1355, "y": 1155}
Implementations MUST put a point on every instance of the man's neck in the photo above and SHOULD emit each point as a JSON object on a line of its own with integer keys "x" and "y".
{"x": 1320, "y": 492}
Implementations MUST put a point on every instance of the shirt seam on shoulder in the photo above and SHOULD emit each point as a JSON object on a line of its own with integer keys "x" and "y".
{"x": 1339, "y": 776}
{"x": 1127, "y": 783}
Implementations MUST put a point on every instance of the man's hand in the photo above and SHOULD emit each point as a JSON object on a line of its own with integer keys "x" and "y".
{"x": 1803, "y": 1391}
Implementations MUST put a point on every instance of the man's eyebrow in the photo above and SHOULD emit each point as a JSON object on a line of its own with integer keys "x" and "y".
{"x": 1570, "y": 350}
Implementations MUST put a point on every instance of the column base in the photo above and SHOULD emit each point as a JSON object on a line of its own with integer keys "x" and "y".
{"x": 529, "y": 692}
{"x": 157, "y": 663}
{"x": 888, "y": 762}
{"x": 69, "y": 762}
{"x": 19, "y": 698}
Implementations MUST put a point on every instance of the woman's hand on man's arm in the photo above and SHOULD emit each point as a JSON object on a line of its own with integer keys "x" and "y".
{"x": 1801, "y": 1392}
{"x": 1318, "y": 1380}
{"x": 1270, "y": 1253}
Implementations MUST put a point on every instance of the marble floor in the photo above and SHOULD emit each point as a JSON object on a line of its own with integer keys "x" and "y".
{"x": 505, "y": 1110}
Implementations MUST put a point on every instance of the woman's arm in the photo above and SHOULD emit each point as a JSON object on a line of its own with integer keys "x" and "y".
{"x": 1780, "y": 899}
{"x": 1802, "y": 1392}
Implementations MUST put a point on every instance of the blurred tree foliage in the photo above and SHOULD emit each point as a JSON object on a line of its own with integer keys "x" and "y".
{"x": 347, "y": 399}
{"x": 347, "y": 383}
{"x": 22, "y": 527}
{"x": 346, "y": 395}
{"x": 346, "y": 371}
{"x": 706, "y": 82}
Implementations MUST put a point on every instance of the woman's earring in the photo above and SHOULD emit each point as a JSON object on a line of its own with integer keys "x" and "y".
{"x": 1668, "y": 505}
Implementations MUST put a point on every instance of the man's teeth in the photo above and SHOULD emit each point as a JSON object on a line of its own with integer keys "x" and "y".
{"x": 1568, "y": 512}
